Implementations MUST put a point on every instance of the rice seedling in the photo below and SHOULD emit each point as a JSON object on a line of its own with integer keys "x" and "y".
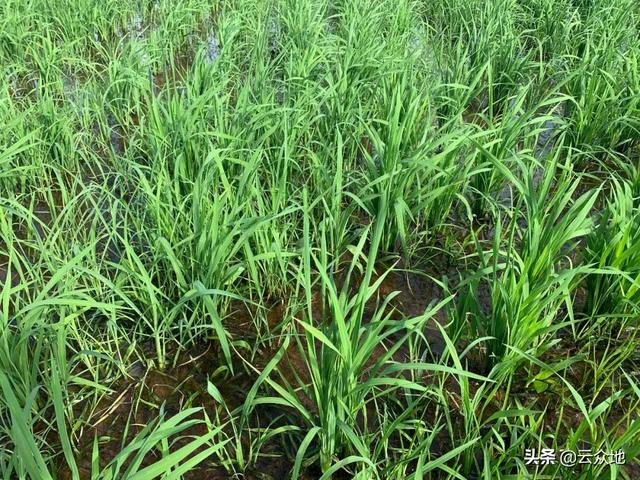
{"x": 614, "y": 245}
{"x": 528, "y": 282}
{"x": 349, "y": 359}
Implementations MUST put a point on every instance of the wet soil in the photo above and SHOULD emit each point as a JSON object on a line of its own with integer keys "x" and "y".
{"x": 138, "y": 399}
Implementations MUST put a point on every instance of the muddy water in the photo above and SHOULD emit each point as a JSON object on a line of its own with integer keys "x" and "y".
{"x": 544, "y": 145}
{"x": 417, "y": 294}
{"x": 4, "y": 271}
{"x": 137, "y": 401}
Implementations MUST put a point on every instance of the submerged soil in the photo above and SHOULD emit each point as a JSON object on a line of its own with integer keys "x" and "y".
{"x": 137, "y": 400}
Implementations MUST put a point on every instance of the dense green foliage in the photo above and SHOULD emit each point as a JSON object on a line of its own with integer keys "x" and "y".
{"x": 407, "y": 233}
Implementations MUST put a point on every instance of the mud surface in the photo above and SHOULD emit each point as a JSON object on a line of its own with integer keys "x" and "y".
{"x": 138, "y": 399}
